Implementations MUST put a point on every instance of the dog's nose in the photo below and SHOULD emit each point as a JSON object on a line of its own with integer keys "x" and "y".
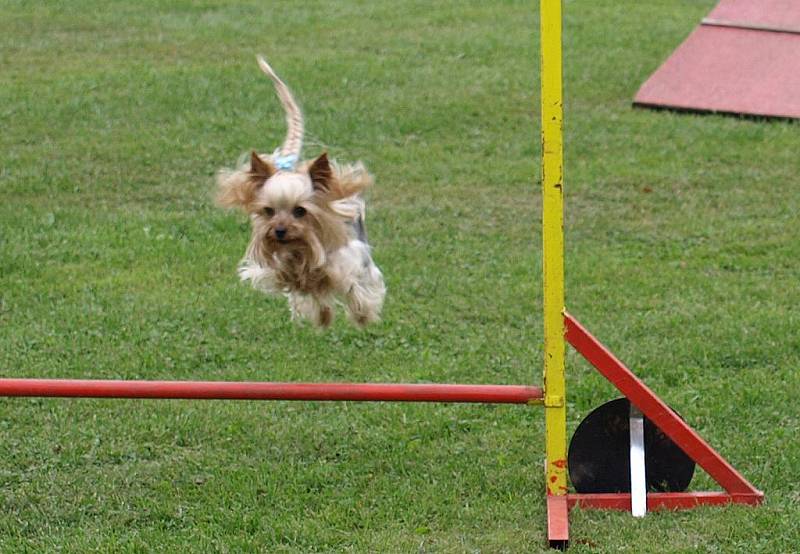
{"x": 280, "y": 232}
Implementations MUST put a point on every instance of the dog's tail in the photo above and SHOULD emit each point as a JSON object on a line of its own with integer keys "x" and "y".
{"x": 293, "y": 143}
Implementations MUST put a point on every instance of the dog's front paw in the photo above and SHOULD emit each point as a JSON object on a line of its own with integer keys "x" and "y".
{"x": 305, "y": 307}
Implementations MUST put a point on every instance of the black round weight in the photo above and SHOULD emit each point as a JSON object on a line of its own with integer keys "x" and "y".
{"x": 599, "y": 454}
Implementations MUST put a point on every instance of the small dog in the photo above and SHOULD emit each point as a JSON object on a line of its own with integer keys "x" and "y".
{"x": 308, "y": 238}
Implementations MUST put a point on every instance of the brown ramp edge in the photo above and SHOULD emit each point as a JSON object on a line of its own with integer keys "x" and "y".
{"x": 744, "y": 58}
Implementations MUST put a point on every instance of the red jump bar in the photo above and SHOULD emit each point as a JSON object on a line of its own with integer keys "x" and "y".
{"x": 243, "y": 390}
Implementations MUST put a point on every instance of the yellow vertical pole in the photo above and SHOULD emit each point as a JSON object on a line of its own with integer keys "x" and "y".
{"x": 553, "y": 246}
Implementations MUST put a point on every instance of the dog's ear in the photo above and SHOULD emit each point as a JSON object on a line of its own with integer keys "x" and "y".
{"x": 260, "y": 168}
{"x": 238, "y": 189}
{"x": 321, "y": 173}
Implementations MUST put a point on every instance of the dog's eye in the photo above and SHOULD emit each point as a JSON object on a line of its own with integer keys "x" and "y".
{"x": 299, "y": 212}
{"x": 269, "y": 211}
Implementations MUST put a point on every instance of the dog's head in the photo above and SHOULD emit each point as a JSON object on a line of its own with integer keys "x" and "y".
{"x": 294, "y": 214}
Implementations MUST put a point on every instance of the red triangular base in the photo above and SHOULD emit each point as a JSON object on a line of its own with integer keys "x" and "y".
{"x": 737, "y": 488}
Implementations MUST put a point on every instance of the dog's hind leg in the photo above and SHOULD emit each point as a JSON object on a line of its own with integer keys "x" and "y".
{"x": 364, "y": 300}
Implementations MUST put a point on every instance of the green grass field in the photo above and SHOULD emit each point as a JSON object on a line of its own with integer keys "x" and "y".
{"x": 682, "y": 255}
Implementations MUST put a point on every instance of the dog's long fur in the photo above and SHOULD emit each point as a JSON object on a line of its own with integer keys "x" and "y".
{"x": 308, "y": 236}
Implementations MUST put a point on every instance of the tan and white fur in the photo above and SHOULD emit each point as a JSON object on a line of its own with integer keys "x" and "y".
{"x": 308, "y": 237}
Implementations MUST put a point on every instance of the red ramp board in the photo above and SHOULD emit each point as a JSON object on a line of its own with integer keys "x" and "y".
{"x": 768, "y": 14}
{"x": 744, "y": 58}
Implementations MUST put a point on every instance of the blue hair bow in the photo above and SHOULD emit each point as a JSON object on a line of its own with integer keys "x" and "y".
{"x": 285, "y": 163}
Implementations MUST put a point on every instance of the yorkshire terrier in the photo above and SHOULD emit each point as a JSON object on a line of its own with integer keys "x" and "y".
{"x": 308, "y": 240}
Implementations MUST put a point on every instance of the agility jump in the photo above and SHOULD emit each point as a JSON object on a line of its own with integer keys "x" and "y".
{"x": 559, "y": 328}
